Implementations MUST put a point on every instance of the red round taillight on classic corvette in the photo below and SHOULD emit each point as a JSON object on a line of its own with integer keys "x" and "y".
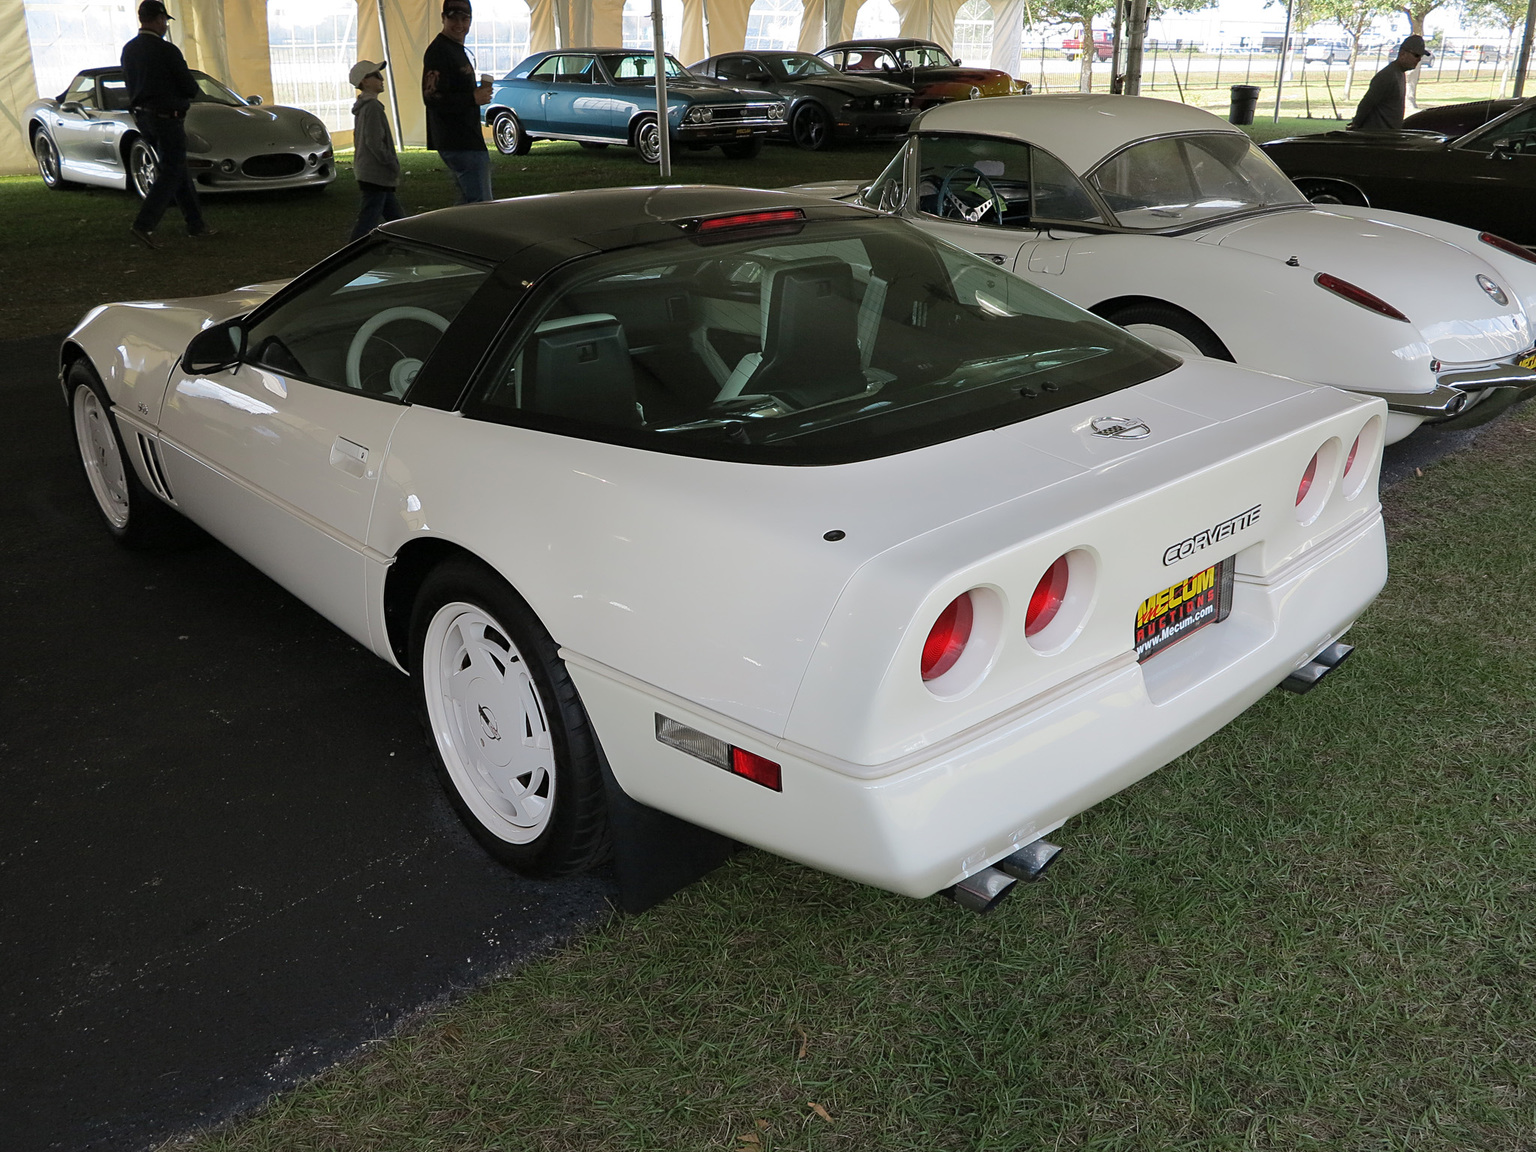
{"x": 948, "y": 637}
{"x": 1047, "y": 598}
{"x": 1307, "y": 478}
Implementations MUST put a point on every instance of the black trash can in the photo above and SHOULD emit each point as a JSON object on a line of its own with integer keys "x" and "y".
{"x": 1245, "y": 99}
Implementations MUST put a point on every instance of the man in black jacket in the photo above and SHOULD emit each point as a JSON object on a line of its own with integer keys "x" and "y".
{"x": 160, "y": 89}
{"x": 453, "y": 100}
{"x": 1381, "y": 109}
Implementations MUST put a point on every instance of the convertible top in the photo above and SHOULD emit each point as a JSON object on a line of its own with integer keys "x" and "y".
{"x": 1078, "y": 128}
{"x": 603, "y": 218}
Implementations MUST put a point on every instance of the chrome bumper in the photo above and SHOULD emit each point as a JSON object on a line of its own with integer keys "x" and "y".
{"x": 1463, "y": 398}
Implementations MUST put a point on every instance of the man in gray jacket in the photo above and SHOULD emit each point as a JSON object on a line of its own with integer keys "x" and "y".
{"x": 1381, "y": 109}
{"x": 374, "y": 162}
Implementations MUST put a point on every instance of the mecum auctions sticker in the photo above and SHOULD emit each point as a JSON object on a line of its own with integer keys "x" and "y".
{"x": 1184, "y": 608}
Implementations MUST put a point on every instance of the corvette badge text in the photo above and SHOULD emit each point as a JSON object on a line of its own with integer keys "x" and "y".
{"x": 1212, "y": 535}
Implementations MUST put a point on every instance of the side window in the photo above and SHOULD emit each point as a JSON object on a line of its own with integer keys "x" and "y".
{"x": 548, "y": 69}
{"x": 835, "y": 59}
{"x": 83, "y": 91}
{"x": 1517, "y": 134}
{"x": 575, "y": 70}
{"x": 368, "y": 325}
{"x": 974, "y": 179}
{"x": 114, "y": 94}
{"x": 735, "y": 68}
{"x": 1057, "y": 194}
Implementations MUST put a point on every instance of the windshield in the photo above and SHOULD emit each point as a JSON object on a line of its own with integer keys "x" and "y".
{"x": 627, "y": 66}
{"x": 814, "y": 342}
{"x": 1176, "y": 181}
{"x": 210, "y": 91}
{"x": 794, "y": 67}
{"x": 925, "y": 58}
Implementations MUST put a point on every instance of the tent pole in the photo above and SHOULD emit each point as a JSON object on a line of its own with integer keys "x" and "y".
{"x": 394, "y": 97}
{"x": 1285, "y": 49}
{"x": 1524, "y": 59}
{"x": 663, "y": 122}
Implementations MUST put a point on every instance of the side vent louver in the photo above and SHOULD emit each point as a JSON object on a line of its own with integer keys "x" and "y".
{"x": 151, "y": 454}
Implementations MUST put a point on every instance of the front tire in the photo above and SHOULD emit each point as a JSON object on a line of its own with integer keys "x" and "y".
{"x": 142, "y": 163}
{"x": 515, "y": 750}
{"x": 648, "y": 140}
{"x": 1332, "y": 192}
{"x": 1171, "y": 329}
{"x": 509, "y": 136}
{"x": 811, "y": 127}
{"x": 135, "y": 517}
{"x": 49, "y": 165}
{"x": 743, "y": 149}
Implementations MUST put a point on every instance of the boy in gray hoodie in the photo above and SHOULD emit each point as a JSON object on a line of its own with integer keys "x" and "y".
{"x": 374, "y": 162}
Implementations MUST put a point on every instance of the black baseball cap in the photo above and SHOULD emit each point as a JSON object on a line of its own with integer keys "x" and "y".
{"x": 1414, "y": 44}
{"x": 452, "y": 7}
{"x": 153, "y": 10}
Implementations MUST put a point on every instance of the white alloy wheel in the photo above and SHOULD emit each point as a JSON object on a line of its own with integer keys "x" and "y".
{"x": 1165, "y": 338}
{"x": 490, "y": 724}
{"x": 104, "y": 466}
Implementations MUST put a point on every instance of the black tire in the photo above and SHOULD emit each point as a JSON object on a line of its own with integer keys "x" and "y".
{"x": 743, "y": 149}
{"x": 141, "y": 161}
{"x": 592, "y": 145}
{"x": 811, "y": 127}
{"x": 646, "y": 138}
{"x": 539, "y": 809}
{"x": 134, "y": 515}
{"x": 1332, "y": 192}
{"x": 509, "y": 136}
{"x": 1175, "y": 320}
{"x": 49, "y": 166}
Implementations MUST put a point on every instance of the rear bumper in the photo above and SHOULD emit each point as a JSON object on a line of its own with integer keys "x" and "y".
{"x": 923, "y": 823}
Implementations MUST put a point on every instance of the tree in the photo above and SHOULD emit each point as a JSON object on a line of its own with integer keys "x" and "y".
{"x": 1084, "y": 12}
{"x": 1416, "y": 10}
{"x": 1356, "y": 18}
{"x": 1506, "y": 14}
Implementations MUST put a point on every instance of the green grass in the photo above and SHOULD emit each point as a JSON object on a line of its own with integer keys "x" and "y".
{"x": 1313, "y": 931}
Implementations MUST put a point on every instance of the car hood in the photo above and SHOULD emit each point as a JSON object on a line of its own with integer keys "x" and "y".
{"x": 847, "y": 85}
{"x": 229, "y": 127}
{"x": 1405, "y": 141}
{"x": 1432, "y": 282}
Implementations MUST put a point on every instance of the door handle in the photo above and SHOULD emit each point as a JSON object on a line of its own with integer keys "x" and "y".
{"x": 349, "y": 457}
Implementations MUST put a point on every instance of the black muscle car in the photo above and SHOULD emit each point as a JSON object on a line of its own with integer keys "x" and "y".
{"x": 1485, "y": 179}
{"x": 822, "y": 103}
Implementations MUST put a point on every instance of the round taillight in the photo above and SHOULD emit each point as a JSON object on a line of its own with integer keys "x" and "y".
{"x": 1349, "y": 461}
{"x": 948, "y": 637}
{"x": 1306, "y": 480}
{"x": 1047, "y": 598}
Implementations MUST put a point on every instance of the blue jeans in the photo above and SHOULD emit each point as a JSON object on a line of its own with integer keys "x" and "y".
{"x": 379, "y": 204}
{"x": 167, "y": 135}
{"x": 472, "y": 169}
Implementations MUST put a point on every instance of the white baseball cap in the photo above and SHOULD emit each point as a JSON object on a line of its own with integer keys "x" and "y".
{"x": 363, "y": 68}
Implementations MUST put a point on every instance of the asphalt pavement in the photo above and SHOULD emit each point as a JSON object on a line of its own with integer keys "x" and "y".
{"x": 224, "y": 860}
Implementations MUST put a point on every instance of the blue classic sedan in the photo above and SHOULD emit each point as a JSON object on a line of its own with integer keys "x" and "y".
{"x": 603, "y": 96}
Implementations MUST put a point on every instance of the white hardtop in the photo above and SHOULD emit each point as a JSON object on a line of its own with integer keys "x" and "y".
{"x": 1079, "y": 128}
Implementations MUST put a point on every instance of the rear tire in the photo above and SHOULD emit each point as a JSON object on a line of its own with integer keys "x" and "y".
{"x": 509, "y": 136}
{"x": 1332, "y": 192}
{"x": 142, "y": 163}
{"x": 1171, "y": 329}
{"x": 134, "y": 515}
{"x": 516, "y": 752}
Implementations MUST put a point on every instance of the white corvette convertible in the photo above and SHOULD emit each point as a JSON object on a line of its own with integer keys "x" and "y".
{"x": 830, "y": 537}
{"x": 1172, "y": 223}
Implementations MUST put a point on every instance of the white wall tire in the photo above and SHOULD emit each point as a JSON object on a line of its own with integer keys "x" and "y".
{"x": 515, "y": 750}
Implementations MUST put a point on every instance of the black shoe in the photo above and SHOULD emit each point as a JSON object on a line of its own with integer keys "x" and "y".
{"x": 203, "y": 231}
{"x": 143, "y": 237}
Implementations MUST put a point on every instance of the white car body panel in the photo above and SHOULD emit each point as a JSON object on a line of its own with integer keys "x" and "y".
{"x": 1238, "y": 277}
{"x": 705, "y": 590}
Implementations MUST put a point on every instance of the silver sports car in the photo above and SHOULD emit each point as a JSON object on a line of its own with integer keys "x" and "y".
{"x": 87, "y": 135}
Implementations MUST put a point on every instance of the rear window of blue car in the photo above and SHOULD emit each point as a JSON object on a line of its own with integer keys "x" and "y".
{"x": 817, "y": 342}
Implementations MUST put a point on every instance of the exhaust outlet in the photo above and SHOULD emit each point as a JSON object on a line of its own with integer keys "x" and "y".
{"x": 1030, "y": 861}
{"x": 1307, "y": 677}
{"x": 983, "y": 891}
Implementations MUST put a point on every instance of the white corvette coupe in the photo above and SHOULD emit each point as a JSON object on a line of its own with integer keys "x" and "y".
{"x": 827, "y": 536}
{"x": 1172, "y": 223}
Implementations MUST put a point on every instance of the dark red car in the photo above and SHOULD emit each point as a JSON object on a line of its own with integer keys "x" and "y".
{"x": 934, "y": 76}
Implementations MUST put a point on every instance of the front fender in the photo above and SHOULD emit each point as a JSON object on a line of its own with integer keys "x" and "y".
{"x": 1256, "y": 306}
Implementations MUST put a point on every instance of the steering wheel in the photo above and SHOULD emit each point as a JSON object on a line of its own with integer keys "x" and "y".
{"x": 405, "y": 369}
{"x": 994, "y": 202}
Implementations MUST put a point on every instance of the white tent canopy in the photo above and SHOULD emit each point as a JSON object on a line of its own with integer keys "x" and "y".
{"x": 230, "y": 39}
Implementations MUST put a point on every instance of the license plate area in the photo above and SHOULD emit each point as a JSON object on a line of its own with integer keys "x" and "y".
{"x": 1184, "y": 608}
{"x": 1529, "y": 359}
